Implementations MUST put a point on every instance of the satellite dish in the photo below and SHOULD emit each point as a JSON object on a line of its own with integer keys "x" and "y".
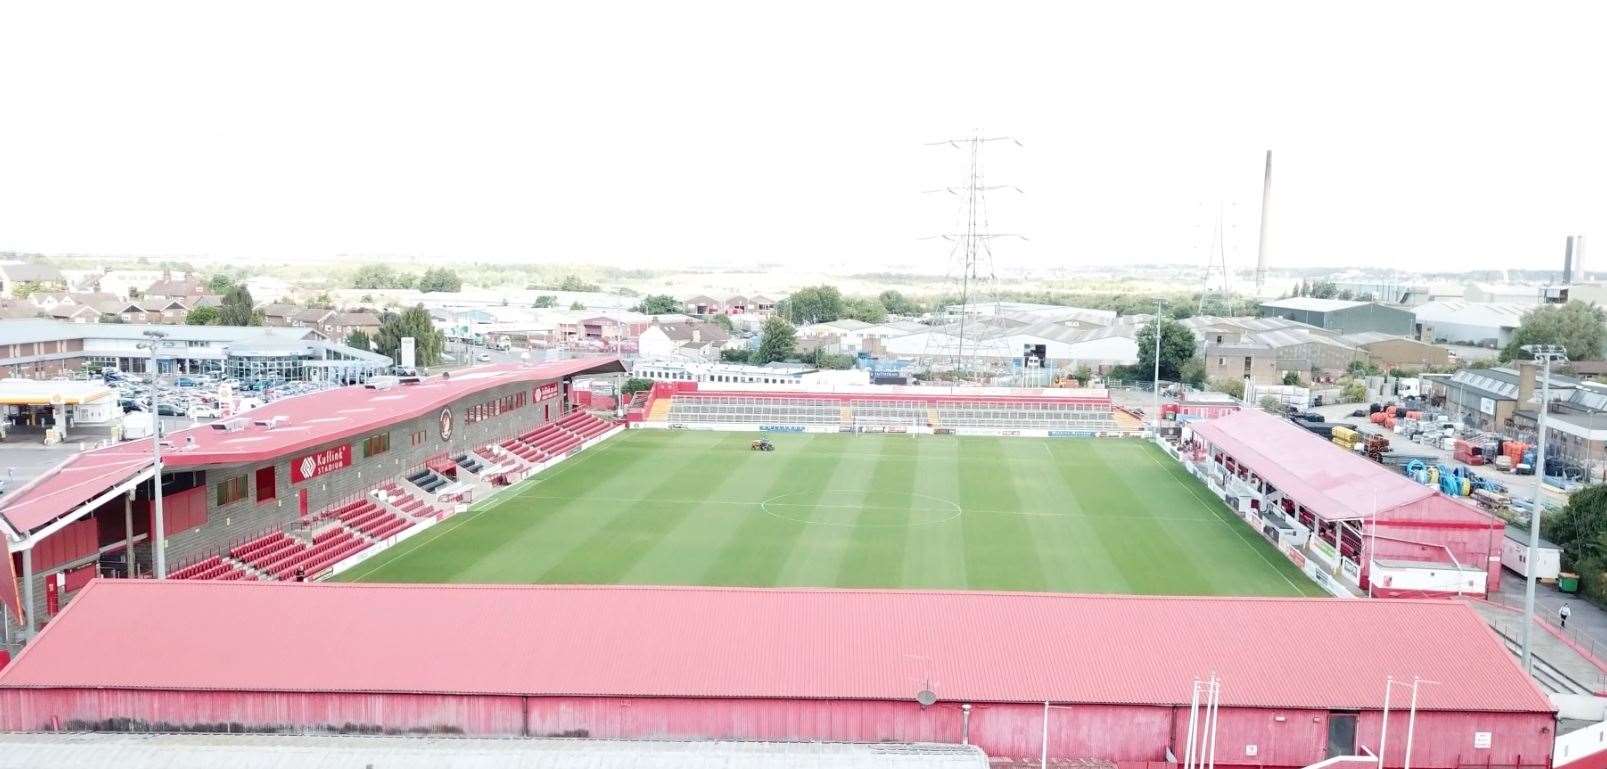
{"x": 926, "y": 697}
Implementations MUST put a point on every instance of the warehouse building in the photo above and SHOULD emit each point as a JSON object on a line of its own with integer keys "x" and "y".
{"x": 237, "y": 480}
{"x": 1341, "y": 316}
{"x": 1487, "y": 398}
{"x": 1097, "y": 680}
{"x": 1482, "y": 324}
{"x": 1389, "y": 351}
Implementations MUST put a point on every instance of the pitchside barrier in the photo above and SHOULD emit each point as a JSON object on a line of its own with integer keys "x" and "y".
{"x": 748, "y": 427}
{"x": 1278, "y": 533}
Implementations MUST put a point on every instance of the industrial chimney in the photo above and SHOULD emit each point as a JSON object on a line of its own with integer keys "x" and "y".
{"x": 1573, "y": 260}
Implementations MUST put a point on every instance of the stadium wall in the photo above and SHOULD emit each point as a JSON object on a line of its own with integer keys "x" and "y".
{"x": 749, "y": 427}
{"x": 1126, "y": 734}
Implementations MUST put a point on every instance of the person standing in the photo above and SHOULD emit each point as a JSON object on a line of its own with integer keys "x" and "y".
{"x": 1562, "y": 615}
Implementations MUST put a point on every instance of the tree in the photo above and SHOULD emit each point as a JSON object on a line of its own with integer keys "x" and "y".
{"x": 572, "y": 283}
{"x": 1345, "y": 295}
{"x": 545, "y": 300}
{"x": 376, "y": 276}
{"x": 1323, "y": 289}
{"x": 1193, "y": 373}
{"x": 635, "y": 385}
{"x": 1576, "y": 326}
{"x": 441, "y": 279}
{"x": 1233, "y": 387}
{"x": 1580, "y": 525}
{"x": 826, "y": 360}
{"x": 238, "y": 309}
{"x": 729, "y": 355}
{"x": 1292, "y": 378}
{"x": 776, "y": 341}
{"x": 1362, "y": 367}
{"x": 1177, "y": 347}
{"x": 26, "y": 288}
{"x": 867, "y": 310}
{"x": 1353, "y": 392}
{"x": 219, "y": 283}
{"x": 724, "y": 321}
{"x": 1271, "y": 404}
{"x": 414, "y": 322}
{"x": 359, "y": 339}
{"x": 110, "y": 317}
{"x": 203, "y": 316}
{"x": 1082, "y": 375}
{"x": 577, "y": 306}
{"x": 815, "y": 304}
{"x": 897, "y": 304}
{"x": 658, "y": 304}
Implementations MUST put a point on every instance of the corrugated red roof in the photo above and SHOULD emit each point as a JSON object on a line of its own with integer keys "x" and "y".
{"x": 735, "y": 643}
{"x": 308, "y": 420}
{"x": 1330, "y": 482}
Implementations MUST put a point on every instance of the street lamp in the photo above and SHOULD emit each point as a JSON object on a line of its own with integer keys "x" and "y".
{"x": 1543, "y": 354}
{"x": 158, "y": 526}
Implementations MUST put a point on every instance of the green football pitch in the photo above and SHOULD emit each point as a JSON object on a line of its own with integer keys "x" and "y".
{"x": 675, "y": 507}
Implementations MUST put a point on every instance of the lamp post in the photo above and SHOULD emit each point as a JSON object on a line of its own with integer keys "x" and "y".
{"x": 1157, "y": 429}
{"x": 158, "y": 526}
{"x": 1543, "y": 354}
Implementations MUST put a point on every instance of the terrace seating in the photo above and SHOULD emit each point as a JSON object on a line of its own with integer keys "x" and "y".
{"x": 754, "y": 409}
{"x": 408, "y": 504}
{"x": 1026, "y": 416}
{"x": 880, "y": 413}
{"x": 262, "y": 552}
{"x": 211, "y": 568}
{"x": 428, "y": 480}
{"x": 469, "y": 462}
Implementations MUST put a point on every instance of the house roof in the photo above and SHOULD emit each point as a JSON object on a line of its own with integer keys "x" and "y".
{"x": 1364, "y": 338}
{"x": 310, "y": 420}
{"x": 683, "y": 332}
{"x": 313, "y": 315}
{"x": 759, "y": 643}
{"x": 29, "y": 272}
{"x": 174, "y": 287}
{"x": 280, "y": 310}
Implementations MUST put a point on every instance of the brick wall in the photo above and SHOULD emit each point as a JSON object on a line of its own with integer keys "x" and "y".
{"x": 233, "y": 523}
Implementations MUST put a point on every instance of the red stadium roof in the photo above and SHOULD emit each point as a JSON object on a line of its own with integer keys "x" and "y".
{"x": 753, "y": 643}
{"x": 1333, "y": 484}
{"x": 308, "y": 420}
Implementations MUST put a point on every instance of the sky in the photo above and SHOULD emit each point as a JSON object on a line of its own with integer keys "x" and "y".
{"x": 1427, "y": 136}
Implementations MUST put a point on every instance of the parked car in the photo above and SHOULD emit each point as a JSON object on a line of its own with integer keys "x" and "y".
{"x": 203, "y": 411}
{"x": 167, "y": 409}
{"x": 483, "y": 357}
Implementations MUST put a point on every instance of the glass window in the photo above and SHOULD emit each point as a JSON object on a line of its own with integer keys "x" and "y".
{"x": 267, "y": 489}
{"x": 376, "y": 444}
{"x": 231, "y": 490}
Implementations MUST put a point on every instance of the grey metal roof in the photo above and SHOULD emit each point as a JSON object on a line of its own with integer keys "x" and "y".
{"x": 1312, "y": 304}
{"x": 24, "y": 330}
{"x": 207, "y": 751}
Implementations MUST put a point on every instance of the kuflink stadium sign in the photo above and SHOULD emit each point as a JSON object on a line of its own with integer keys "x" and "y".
{"x": 313, "y": 465}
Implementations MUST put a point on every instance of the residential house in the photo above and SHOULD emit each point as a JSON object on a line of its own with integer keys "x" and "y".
{"x": 280, "y": 315}
{"x": 74, "y": 312}
{"x": 312, "y": 317}
{"x": 38, "y": 277}
{"x": 696, "y": 338}
{"x": 704, "y": 305}
{"x": 340, "y": 325}
{"x": 169, "y": 287}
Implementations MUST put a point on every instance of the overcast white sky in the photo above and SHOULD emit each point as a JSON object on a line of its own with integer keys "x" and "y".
{"x": 1434, "y": 136}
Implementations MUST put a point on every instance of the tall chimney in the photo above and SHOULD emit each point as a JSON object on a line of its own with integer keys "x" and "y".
{"x": 1579, "y": 259}
{"x": 1568, "y": 261}
{"x": 1261, "y": 245}
{"x": 1526, "y": 382}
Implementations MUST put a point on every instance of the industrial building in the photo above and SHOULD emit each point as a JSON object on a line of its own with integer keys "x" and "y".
{"x": 1389, "y": 351}
{"x": 1455, "y": 321}
{"x": 1487, "y": 398}
{"x": 1341, "y": 316}
{"x": 1099, "y": 679}
{"x": 39, "y": 349}
{"x": 273, "y": 475}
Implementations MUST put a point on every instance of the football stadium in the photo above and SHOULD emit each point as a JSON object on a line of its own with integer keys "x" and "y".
{"x": 827, "y": 575}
